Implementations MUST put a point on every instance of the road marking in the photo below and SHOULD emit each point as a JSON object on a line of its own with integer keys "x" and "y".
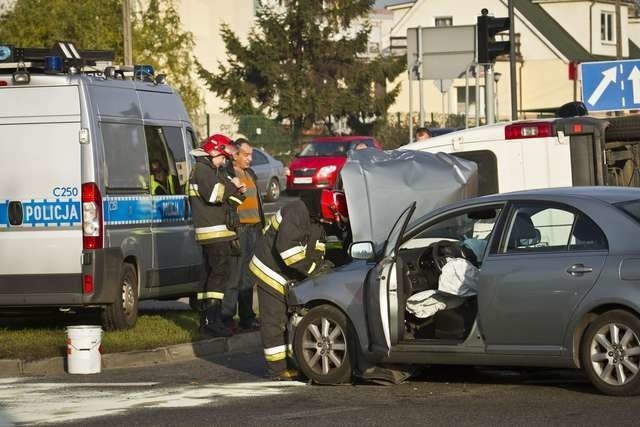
{"x": 64, "y": 402}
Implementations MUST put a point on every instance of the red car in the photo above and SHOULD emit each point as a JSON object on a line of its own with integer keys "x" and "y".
{"x": 319, "y": 162}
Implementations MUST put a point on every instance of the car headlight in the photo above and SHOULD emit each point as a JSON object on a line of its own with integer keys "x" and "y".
{"x": 325, "y": 171}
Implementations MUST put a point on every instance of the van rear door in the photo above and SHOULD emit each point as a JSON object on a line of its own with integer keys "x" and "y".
{"x": 40, "y": 180}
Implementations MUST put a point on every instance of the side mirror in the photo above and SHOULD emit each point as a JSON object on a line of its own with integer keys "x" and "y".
{"x": 361, "y": 250}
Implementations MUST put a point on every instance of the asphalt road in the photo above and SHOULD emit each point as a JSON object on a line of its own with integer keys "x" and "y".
{"x": 230, "y": 390}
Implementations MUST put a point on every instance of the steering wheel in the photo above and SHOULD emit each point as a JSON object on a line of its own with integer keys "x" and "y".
{"x": 432, "y": 260}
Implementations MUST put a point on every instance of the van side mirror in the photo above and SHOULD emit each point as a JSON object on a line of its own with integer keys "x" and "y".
{"x": 361, "y": 250}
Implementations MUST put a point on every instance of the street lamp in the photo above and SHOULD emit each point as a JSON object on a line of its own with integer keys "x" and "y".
{"x": 496, "y": 78}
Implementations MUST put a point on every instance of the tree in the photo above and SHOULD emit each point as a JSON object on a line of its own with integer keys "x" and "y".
{"x": 302, "y": 63}
{"x": 97, "y": 24}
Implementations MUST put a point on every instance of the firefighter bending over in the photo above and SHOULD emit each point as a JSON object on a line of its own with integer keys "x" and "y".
{"x": 214, "y": 197}
{"x": 290, "y": 248}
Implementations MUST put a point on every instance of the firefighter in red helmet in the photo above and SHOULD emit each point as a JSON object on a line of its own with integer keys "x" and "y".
{"x": 214, "y": 197}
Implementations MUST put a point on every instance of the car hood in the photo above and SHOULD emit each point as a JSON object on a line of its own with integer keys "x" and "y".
{"x": 379, "y": 185}
{"x": 317, "y": 162}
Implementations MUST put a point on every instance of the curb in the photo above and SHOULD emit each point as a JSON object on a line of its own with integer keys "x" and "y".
{"x": 131, "y": 359}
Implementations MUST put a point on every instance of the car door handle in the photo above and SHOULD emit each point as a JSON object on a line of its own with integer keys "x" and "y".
{"x": 578, "y": 269}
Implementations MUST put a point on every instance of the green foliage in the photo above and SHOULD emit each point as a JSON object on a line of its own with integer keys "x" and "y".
{"x": 271, "y": 137}
{"x": 97, "y": 24}
{"x": 302, "y": 64}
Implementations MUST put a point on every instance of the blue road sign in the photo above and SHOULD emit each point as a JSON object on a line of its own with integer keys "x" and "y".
{"x": 611, "y": 85}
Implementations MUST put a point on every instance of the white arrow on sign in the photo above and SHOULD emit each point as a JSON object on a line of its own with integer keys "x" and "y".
{"x": 608, "y": 77}
{"x": 634, "y": 76}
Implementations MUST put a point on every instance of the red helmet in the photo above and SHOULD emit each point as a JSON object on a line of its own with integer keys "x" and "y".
{"x": 217, "y": 144}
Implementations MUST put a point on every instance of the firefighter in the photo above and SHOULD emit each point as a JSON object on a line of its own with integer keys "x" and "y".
{"x": 214, "y": 197}
{"x": 290, "y": 248}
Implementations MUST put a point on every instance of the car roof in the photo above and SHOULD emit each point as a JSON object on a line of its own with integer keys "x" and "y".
{"x": 339, "y": 138}
{"x": 604, "y": 194}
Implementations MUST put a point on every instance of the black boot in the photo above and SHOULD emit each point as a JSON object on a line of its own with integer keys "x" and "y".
{"x": 213, "y": 325}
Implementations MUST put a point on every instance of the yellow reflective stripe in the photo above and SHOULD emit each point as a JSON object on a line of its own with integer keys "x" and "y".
{"x": 276, "y": 357}
{"x": 313, "y": 267}
{"x": 320, "y": 246}
{"x": 334, "y": 245}
{"x": 294, "y": 258}
{"x": 210, "y": 295}
{"x": 214, "y": 232}
{"x": 193, "y": 190}
{"x": 217, "y": 195}
{"x": 236, "y": 200}
{"x": 263, "y": 273}
{"x": 273, "y": 354}
{"x": 291, "y": 252}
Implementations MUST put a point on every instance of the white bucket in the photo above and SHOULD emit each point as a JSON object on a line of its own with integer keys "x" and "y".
{"x": 83, "y": 349}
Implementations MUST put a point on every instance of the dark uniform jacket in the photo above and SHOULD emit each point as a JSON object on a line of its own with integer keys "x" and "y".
{"x": 290, "y": 248}
{"x": 213, "y": 198}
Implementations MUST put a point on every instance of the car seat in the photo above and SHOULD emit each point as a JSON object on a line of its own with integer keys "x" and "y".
{"x": 522, "y": 230}
{"x": 587, "y": 235}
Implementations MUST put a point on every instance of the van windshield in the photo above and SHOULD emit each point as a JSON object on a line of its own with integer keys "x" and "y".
{"x": 328, "y": 148}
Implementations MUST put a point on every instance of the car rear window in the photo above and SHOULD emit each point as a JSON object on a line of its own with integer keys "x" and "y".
{"x": 333, "y": 148}
{"x": 631, "y": 208}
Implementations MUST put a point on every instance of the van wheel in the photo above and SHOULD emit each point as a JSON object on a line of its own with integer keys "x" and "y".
{"x": 273, "y": 190}
{"x": 610, "y": 353}
{"x": 123, "y": 313}
{"x": 321, "y": 346}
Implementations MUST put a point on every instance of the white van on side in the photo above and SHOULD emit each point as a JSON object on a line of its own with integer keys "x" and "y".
{"x": 93, "y": 210}
{"x": 558, "y": 152}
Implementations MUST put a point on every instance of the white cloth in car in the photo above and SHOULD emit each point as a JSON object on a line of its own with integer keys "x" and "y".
{"x": 459, "y": 277}
{"x": 425, "y": 304}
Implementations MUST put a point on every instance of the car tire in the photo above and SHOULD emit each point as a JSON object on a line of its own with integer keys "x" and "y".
{"x": 273, "y": 190}
{"x": 123, "y": 313}
{"x": 610, "y": 353}
{"x": 322, "y": 346}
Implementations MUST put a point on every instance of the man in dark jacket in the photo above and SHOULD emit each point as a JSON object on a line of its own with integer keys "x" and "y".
{"x": 214, "y": 196}
{"x": 290, "y": 248}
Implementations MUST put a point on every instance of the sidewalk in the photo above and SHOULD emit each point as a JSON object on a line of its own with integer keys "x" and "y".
{"x": 248, "y": 341}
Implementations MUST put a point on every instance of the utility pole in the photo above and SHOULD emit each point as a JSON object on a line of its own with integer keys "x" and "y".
{"x": 126, "y": 31}
{"x": 618, "y": 39}
{"x": 512, "y": 63}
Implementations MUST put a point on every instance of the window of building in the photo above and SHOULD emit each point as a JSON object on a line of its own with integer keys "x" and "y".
{"x": 607, "y": 26}
{"x": 125, "y": 156}
{"x": 444, "y": 21}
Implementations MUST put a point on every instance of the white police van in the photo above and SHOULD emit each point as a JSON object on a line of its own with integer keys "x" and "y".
{"x": 557, "y": 152}
{"x": 93, "y": 210}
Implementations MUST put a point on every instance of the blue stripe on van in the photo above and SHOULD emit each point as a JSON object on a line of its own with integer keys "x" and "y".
{"x": 45, "y": 213}
{"x": 120, "y": 210}
{"x": 117, "y": 210}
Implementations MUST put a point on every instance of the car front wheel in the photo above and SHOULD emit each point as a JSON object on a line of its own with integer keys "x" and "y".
{"x": 610, "y": 353}
{"x": 273, "y": 190}
{"x": 321, "y": 346}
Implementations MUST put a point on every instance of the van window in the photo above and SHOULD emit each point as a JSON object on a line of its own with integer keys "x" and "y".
{"x": 176, "y": 145}
{"x": 487, "y": 169}
{"x": 125, "y": 156}
{"x": 163, "y": 178}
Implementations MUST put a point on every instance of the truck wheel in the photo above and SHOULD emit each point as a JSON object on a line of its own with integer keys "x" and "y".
{"x": 123, "y": 313}
{"x": 610, "y": 353}
{"x": 321, "y": 346}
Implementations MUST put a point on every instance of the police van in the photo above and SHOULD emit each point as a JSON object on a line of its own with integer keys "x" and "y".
{"x": 93, "y": 210}
{"x": 555, "y": 152}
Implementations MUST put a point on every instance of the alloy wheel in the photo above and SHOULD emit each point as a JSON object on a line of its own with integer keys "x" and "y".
{"x": 615, "y": 354}
{"x": 324, "y": 346}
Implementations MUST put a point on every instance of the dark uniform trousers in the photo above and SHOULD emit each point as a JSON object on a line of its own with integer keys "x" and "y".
{"x": 290, "y": 248}
{"x": 217, "y": 267}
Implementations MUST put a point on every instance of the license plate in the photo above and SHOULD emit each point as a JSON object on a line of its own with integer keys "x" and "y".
{"x": 303, "y": 180}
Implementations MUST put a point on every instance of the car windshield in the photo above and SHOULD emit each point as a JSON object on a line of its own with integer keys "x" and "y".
{"x": 327, "y": 148}
{"x": 631, "y": 208}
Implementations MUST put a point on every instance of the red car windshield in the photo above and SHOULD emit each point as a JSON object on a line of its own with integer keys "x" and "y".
{"x": 333, "y": 148}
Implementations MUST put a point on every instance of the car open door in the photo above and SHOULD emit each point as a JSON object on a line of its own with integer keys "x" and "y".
{"x": 381, "y": 291}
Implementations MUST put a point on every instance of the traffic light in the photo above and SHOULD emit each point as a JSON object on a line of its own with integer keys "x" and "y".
{"x": 488, "y": 47}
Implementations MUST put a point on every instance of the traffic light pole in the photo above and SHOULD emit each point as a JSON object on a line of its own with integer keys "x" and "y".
{"x": 489, "y": 101}
{"x": 512, "y": 64}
